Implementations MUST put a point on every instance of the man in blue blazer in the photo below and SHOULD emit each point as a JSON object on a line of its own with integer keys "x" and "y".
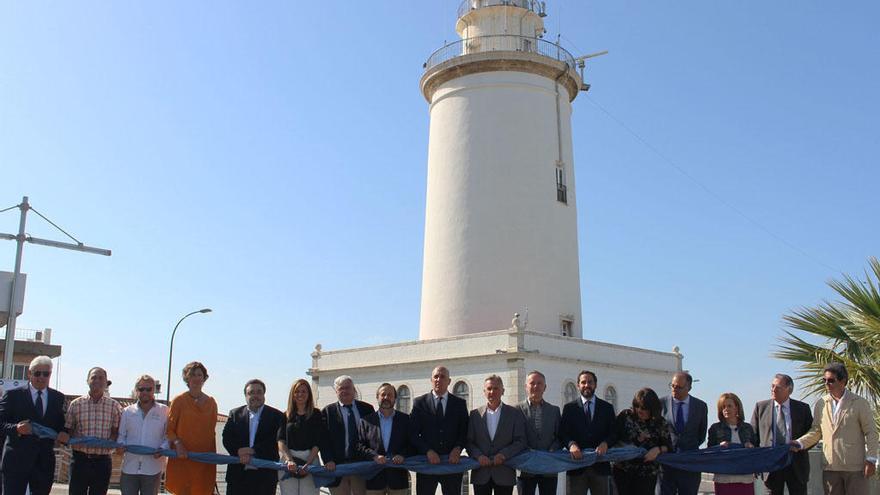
{"x": 28, "y": 460}
{"x": 588, "y": 423}
{"x": 340, "y": 444}
{"x": 384, "y": 439}
{"x": 688, "y": 417}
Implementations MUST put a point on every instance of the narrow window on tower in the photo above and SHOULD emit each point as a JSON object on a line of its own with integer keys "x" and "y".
{"x": 561, "y": 190}
{"x": 565, "y": 325}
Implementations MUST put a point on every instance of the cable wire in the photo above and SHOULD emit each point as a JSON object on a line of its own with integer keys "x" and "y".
{"x": 56, "y": 226}
{"x": 10, "y": 208}
{"x": 708, "y": 190}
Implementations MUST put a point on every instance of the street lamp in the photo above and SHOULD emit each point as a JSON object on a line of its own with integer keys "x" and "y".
{"x": 171, "y": 351}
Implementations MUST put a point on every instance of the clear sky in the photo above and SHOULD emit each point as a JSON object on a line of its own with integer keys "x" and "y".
{"x": 268, "y": 160}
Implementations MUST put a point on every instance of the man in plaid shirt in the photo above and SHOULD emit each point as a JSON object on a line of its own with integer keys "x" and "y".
{"x": 94, "y": 415}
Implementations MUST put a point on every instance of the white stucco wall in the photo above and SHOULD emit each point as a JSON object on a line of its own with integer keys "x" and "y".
{"x": 497, "y": 241}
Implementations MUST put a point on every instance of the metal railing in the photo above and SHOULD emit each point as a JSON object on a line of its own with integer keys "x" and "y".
{"x": 500, "y": 42}
{"x": 43, "y": 336}
{"x": 469, "y": 5}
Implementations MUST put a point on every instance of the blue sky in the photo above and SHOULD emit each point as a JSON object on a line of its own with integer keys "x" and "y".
{"x": 268, "y": 160}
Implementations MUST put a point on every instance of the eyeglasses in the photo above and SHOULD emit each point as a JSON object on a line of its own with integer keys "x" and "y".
{"x": 145, "y": 389}
{"x": 41, "y": 374}
{"x": 677, "y": 387}
{"x": 831, "y": 381}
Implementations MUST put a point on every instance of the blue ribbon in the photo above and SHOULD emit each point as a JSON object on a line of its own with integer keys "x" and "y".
{"x": 726, "y": 460}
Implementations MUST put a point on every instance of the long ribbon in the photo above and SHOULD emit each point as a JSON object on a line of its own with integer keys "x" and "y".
{"x": 725, "y": 460}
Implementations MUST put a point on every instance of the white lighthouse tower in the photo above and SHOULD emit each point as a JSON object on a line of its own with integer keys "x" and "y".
{"x": 501, "y": 221}
{"x": 500, "y": 231}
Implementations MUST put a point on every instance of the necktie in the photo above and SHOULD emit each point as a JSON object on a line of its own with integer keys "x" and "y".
{"x": 39, "y": 404}
{"x": 587, "y": 412}
{"x": 351, "y": 431}
{"x": 679, "y": 418}
{"x": 781, "y": 427}
{"x": 439, "y": 408}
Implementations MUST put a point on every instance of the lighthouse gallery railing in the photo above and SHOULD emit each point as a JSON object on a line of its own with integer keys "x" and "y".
{"x": 500, "y": 42}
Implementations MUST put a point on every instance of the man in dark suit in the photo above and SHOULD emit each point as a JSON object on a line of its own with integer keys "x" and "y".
{"x": 689, "y": 418}
{"x": 496, "y": 432}
{"x": 384, "y": 439}
{"x": 542, "y": 433}
{"x": 439, "y": 424}
{"x": 28, "y": 460}
{"x": 777, "y": 421}
{"x": 340, "y": 447}
{"x": 250, "y": 432}
{"x": 588, "y": 423}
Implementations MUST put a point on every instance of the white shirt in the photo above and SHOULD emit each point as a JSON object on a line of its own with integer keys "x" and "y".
{"x": 492, "y": 419}
{"x": 136, "y": 428}
{"x": 44, "y": 396}
{"x": 786, "y": 409}
{"x": 253, "y": 423}
{"x": 835, "y": 406}
{"x": 445, "y": 397}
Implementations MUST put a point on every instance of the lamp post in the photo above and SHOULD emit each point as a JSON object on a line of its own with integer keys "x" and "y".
{"x": 171, "y": 351}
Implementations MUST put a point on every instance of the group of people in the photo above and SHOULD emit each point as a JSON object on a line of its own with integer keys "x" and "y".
{"x": 440, "y": 427}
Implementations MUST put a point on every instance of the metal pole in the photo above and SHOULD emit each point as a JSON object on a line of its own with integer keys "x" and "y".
{"x": 171, "y": 350}
{"x": 8, "y": 354}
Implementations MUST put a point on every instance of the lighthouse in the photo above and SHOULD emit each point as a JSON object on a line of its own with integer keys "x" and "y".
{"x": 500, "y": 231}
{"x": 501, "y": 216}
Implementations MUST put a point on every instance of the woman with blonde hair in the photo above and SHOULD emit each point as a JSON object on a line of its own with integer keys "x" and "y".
{"x": 192, "y": 419}
{"x": 299, "y": 439}
{"x": 731, "y": 429}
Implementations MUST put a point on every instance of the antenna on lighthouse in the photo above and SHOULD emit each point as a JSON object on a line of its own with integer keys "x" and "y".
{"x": 582, "y": 62}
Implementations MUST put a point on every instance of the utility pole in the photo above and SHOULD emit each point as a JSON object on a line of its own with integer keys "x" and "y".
{"x": 20, "y": 239}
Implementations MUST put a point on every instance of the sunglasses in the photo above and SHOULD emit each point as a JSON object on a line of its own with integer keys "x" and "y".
{"x": 145, "y": 389}
{"x": 830, "y": 381}
{"x": 41, "y": 374}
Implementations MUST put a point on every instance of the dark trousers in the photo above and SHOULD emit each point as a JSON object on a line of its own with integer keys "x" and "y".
{"x": 630, "y": 484}
{"x": 545, "y": 484}
{"x": 450, "y": 484}
{"x": 253, "y": 482}
{"x": 778, "y": 480}
{"x": 490, "y": 488}
{"x": 89, "y": 475}
{"x": 677, "y": 482}
{"x": 17, "y": 484}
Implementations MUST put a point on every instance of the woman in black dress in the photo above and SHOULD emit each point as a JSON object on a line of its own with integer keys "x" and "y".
{"x": 299, "y": 438}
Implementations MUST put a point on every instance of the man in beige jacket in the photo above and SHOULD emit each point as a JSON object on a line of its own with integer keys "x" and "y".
{"x": 845, "y": 424}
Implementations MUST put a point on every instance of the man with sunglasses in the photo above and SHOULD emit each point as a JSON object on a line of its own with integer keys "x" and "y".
{"x": 845, "y": 424}
{"x": 143, "y": 423}
{"x": 27, "y": 459}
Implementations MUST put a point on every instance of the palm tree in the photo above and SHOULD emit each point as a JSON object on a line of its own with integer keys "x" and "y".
{"x": 848, "y": 331}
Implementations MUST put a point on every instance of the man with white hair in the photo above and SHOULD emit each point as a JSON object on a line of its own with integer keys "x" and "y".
{"x": 341, "y": 419}
{"x": 29, "y": 461}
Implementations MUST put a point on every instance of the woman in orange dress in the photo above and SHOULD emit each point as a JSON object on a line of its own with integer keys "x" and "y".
{"x": 191, "y": 421}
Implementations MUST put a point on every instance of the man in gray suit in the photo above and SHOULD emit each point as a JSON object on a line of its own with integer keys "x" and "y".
{"x": 496, "y": 432}
{"x": 542, "y": 433}
{"x": 688, "y": 417}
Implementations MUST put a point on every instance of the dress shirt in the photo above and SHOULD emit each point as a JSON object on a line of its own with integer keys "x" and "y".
{"x": 45, "y": 396}
{"x": 835, "y": 406}
{"x": 253, "y": 423}
{"x": 492, "y": 419}
{"x": 592, "y": 402}
{"x": 445, "y": 399}
{"x": 137, "y": 428}
{"x": 385, "y": 425}
{"x": 786, "y": 410}
{"x": 685, "y": 405}
{"x": 93, "y": 418}
{"x": 357, "y": 419}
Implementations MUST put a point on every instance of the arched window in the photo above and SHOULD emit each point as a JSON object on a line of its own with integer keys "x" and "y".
{"x": 569, "y": 392}
{"x": 611, "y": 396}
{"x": 462, "y": 390}
{"x": 404, "y": 399}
